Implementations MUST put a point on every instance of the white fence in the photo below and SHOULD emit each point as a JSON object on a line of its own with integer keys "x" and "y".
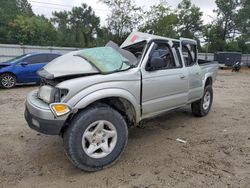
{"x": 8, "y": 51}
{"x": 246, "y": 59}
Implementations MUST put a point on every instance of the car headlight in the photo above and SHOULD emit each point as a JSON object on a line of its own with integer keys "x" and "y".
{"x": 60, "y": 109}
{"x": 51, "y": 94}
{"x": 46, "y": 93}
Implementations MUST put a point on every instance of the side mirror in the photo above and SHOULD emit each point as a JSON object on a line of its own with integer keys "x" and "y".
{"x": 24, "y": 64}
{"x": 155, "y": 63}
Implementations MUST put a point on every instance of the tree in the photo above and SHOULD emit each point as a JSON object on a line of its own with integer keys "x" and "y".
{"x": 190, "y": 22}
{"x": 64, "y": 33}
{"x": 35, "y": 30}
{"x": 223, "y": 32}
{"x": 160, "y": 20}
{"x": 84, "y": 23}
{"x": 61, "y": 19}
{"x": 243, "y": 19}
{"x": 78, "y": 27}
{"x": 8, "y": 12}
{"x": 212, "y": 34}
{"x": 24, "y": 7}
{"x": 124, "y": 18}
{"x": 226, "y": 16}
{"x": 103, "y": 36}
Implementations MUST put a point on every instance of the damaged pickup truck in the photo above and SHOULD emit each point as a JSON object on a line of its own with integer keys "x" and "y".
{"x": 90, "y": 97}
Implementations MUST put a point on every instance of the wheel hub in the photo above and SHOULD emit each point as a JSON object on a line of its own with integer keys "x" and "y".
{"x": 206, "y": 100}
{"x": 8, "y": 81}
{"x": 99, "y": 139}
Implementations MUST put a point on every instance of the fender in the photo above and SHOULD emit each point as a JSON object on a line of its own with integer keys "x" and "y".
{"x": 110, "y": 92}
{"x": 206, "y": 76}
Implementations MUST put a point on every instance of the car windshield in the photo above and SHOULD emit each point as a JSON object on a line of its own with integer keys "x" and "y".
{"x": 15, "y": 59}
{"x": 105, "y": 59}
{"x": 112, "y": 58}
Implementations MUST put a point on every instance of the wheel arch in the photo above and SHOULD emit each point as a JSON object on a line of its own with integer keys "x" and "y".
{"x": 120, "y": 100}
{"x": 8, "y": 72}
{"x": 209, "y": 81}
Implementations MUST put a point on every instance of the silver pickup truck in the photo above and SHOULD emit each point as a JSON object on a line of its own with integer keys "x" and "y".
{"x": 90, "y": 97}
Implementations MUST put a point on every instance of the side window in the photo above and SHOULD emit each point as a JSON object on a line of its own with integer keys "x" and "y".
{"x": 189, "y": 54}
{"x": 42, "y": 58}
{"x": 161, "y": 58}
{"x": 52, "y": 57}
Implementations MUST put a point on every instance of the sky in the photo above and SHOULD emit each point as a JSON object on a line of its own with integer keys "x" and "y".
{"x": 101, "y": 10}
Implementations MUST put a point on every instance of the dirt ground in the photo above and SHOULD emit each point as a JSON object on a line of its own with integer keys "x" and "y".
{"x": 217, "y": 152}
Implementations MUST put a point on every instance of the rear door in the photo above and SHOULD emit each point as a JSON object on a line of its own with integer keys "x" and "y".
{"x": 189, "y": 52}
{"x": 34, "y": 63}
{"x": 166, "y": 87}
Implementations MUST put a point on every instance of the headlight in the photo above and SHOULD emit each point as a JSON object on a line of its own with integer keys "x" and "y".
{"x": 60, "y": 109}
{"x": 46, "y": 93}
{"x": 51, "y": 94}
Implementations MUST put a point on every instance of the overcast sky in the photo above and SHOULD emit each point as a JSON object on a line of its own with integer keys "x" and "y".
{"x": 101, "y": 10}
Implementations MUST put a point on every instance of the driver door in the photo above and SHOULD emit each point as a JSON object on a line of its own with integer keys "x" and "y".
{"x": 163, "y": 87}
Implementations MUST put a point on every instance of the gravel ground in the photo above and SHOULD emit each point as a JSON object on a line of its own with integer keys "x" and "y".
{"x": 217, "y": 152}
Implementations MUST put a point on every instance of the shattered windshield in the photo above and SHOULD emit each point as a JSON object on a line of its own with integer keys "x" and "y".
{"x": 105, "y": 59}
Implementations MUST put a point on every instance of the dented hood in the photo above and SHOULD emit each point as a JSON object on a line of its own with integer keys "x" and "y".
{"x": 102, "y": 60}
{"x": 67, "y": 65}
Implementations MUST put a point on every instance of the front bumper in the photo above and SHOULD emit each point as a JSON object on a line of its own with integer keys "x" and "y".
{"x": 40, "y": 118}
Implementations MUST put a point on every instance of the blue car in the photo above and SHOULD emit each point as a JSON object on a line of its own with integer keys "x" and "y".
{"x": 23, "y": 69}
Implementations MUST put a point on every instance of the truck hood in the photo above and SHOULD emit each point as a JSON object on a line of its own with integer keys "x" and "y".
{"x": 67, "y": 65}
{"x": 103, "y": 60}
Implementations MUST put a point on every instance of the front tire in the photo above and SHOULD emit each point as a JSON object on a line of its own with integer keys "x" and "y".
{"x": 202, "y": 107}
{"x": 7, "y": 81}
{"x": 95, "y": 138}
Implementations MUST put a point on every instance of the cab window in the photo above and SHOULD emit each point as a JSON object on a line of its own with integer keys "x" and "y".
{"x": 162, "y": 58}
{"x": 189, "y": 54}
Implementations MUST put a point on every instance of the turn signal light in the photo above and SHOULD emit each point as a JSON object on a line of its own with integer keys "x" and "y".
{"x": 60, "y": 109}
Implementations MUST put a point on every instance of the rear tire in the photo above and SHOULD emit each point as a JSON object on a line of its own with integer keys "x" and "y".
{"x": 7, "y": 81}
{"x": 202, "y": 107}
{"x": 95, "y": 138}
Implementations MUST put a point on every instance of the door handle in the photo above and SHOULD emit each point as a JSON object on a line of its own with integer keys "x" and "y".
{"x": 182, "y": 77}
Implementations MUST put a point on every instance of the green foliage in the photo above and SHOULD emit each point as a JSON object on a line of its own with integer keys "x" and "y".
{"x": 189, "y": 19}
{"x": 77, "y": 27}
{"x": 243, "y": 20}
{"x": 34, "y": 30}
{"x": 160, "y": 20}
{"x": 124, "y": 18}
{"x": 84, "y": 24}
{"x": 24, "y": 7}
{"x": 8, "y": 12}
{"x": 227, "y": 13}
{"x": 230, "y": 30}
{"x": 213, "y": 36}
{"x": 185, "y": 21}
